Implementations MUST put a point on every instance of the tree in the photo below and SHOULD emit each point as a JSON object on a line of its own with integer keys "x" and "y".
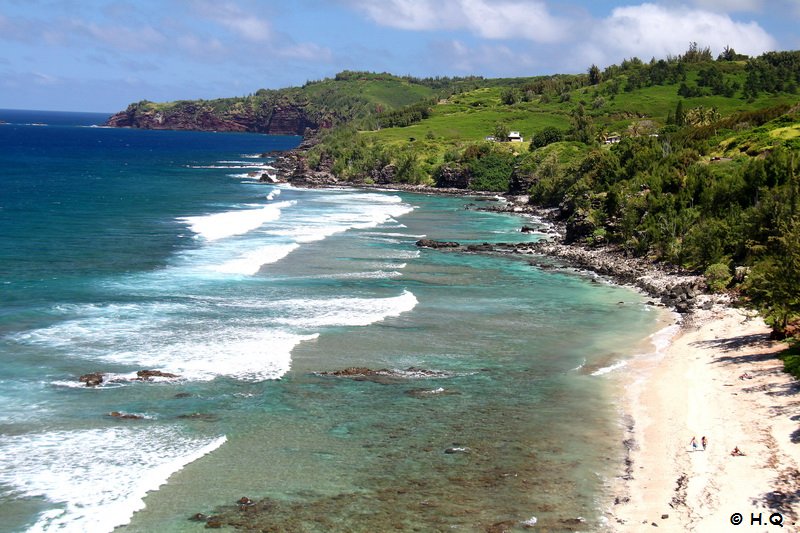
{"x": 509, "y": 96}
{"x": 594, "y": 75}
{"x": 501, "y": 131}
{"x": 774, "y": 283}
{"x": 582, "y": 125}
{"x": 680, "y": 116}
{"x": 548, "y": 135}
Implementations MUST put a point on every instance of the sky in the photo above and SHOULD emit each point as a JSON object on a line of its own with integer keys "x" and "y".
{"x": 101, "y": 55}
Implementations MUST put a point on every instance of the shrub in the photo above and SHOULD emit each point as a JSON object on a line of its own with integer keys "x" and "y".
{"x": 718, "y": 276}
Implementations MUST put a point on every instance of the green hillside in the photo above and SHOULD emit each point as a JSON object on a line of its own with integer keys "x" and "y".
{"x": 690, "y": 160}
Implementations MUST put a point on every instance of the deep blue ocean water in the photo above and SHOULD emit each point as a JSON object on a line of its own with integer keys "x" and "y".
{"x": 123, "y": 250}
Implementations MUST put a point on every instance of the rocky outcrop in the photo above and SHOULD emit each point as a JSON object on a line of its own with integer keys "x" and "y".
{"x": 384, "y": 376}
{"x": 92, "y": 380}
{"x": 284, "y": 119}
{"x": 288, "y": 120}
{"x": 148, "y": 375}
{"x": 453, "y": 177}
{"x": 430, "y": 243}
{"x": 520, "y": 182}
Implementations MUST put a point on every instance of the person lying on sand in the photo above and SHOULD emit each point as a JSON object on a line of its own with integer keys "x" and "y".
{"x": 736, "y": 451}
{"x": 745, "y": 376}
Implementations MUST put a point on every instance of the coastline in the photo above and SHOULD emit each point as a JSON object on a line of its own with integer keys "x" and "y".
{"x": 691, "y": 388}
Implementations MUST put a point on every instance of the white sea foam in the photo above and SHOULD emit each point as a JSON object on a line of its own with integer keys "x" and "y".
{"x": 234, "y": 165}
{"x": 394, "y": 234}
{"x": 148, "y": 337}
{"x": 238, "y": 222}
{"x": 372, "y": 274}
{"x": 96, "y": 479}
{"x": 609, "y": 368}
{"x": 345, "y": 311}
{"x": 273, "y": 194}
{"x": 252, "y": 261}
{"x": 662, "y": 338}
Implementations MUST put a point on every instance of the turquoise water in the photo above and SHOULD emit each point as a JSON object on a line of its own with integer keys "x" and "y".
{"x": 124, "y": 250}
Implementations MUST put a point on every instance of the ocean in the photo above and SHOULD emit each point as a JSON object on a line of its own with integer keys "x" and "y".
{"x": 127, "y": 250}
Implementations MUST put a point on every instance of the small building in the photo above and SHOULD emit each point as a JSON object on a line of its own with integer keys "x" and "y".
{"x": 514, "y": 137}
{"x": 613, "y": 138}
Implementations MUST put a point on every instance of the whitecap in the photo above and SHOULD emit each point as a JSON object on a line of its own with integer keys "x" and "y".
{"x": 95, "y": 479}
{"x": 251, "y": 262}
{"x": 229, "y": 223}
{"x": 314, "y": 313}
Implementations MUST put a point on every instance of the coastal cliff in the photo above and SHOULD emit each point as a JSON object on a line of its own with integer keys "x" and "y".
{"x": 286, "y": 119}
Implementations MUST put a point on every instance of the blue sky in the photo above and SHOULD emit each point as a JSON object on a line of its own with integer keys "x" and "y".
{"x": 100, "y": 55}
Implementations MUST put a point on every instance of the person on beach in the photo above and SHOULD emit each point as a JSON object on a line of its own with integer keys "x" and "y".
{"x": 704, "y": 442}
{"x": 694, "y": 444}
{"x": 736, "y": 452}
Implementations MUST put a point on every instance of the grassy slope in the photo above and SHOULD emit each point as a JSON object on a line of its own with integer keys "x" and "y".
{"x": 347, "y": 99}
{"x": 469, "y": 117}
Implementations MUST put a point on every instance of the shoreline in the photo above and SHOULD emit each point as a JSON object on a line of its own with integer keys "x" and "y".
{"x": 690, "y": 388}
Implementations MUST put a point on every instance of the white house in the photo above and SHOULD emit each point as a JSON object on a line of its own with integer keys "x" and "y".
{"x": 514, "y": 137}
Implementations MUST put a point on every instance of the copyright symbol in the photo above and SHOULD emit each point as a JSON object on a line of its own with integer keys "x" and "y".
{"x": 736, "y": 519}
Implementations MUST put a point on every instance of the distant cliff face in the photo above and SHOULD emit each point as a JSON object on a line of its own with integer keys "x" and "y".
{"x": 276, "y": 120}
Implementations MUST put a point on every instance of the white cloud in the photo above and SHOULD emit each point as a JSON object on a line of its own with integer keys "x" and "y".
{"x": 498, "y": 19}
{"x": 306, "y": 52}
{"x": 727, "y": 6}
{"x": 231, "y": 16}
{"x": 119, "y": 37}
{"x": 649, "y": 30}
{"x": 488, "y": 59}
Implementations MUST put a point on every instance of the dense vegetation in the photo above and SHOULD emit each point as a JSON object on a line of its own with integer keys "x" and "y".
{"x": 690, "y": 160}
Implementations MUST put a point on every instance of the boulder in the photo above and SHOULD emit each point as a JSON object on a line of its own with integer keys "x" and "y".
{"x": 92, "y": 380}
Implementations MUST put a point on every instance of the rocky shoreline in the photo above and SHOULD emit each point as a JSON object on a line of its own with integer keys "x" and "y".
{"x": 672, "y": 287}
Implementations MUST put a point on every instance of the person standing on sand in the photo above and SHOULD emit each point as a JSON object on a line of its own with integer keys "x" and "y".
{"x": 704, "y": 442}
{"x": 694, "y": 444}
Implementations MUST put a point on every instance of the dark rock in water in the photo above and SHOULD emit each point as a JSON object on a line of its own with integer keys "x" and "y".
{"x": 502, "y": 527}
{"x": 384, "y": 376}
{"x": 349, "y": 372}
{"x": 457, "y": 449}
{"x": 485, "y": 247}
{"x": 528, "y": 229}
{"x": 213, "y": 522}
{"x": 147, "y": 375}
{"x": 92, "y": 380}
{"x": 183, "y": 395}
{"x": 244, "y": 500}
{"x": 125, "y": 416}
{"x": 198, "y": 517}
{"x": 430, "y": 243}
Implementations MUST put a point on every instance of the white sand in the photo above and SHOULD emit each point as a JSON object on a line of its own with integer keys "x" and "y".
{"x": 694, "y": 390}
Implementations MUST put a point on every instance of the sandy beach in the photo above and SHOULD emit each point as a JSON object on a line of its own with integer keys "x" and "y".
{"x": 718, "y": 378}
